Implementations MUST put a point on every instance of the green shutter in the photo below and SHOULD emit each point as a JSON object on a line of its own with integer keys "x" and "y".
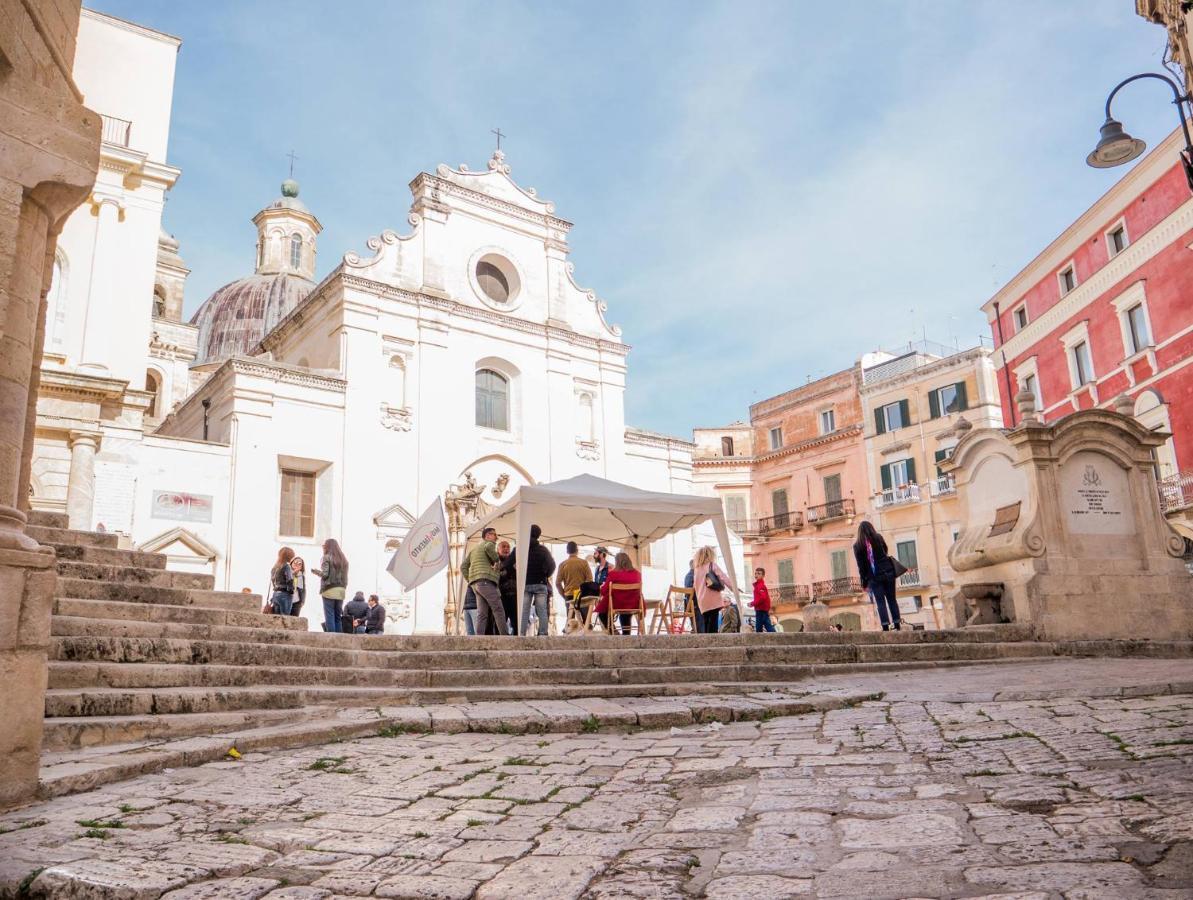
{"x": 911, "y": 471}
{"x": 885, "y": 473}
{"x": 904, "y": 413}
{"x": 934, "y": 404}
{"x": 839, "y": 563}
{"x": 941, "y": 456}
{"x": 962, "y": 399}
{"x": 879, "y": 422}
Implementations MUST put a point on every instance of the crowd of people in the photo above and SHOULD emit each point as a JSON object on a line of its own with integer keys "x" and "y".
{"x": 611, "y": 592}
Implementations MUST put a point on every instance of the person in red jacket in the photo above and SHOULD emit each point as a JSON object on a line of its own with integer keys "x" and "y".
{"x": 761, "y": 603}
{"x": 623, "y": 572}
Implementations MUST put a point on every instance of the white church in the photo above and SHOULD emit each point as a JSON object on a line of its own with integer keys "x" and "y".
{"x": 291, "y": 410}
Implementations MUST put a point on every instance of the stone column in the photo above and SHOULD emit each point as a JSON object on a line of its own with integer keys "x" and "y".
{"x": 103, "y": 299}
{"x": 80, "y": 485}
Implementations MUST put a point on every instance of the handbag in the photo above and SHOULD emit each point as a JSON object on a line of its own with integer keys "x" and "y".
{"x": 712, "y": 581}
{"x": 900, "y": 569}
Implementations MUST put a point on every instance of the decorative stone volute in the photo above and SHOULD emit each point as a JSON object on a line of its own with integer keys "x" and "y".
{"x": 1025, "y": 403}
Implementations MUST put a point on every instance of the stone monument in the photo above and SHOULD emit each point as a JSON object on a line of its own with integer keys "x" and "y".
{"x": 1063, "y": 530}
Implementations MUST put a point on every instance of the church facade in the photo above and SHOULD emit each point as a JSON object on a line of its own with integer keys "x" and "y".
{"x": 289, "y": 411}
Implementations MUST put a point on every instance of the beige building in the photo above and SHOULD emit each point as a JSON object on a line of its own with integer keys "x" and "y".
{"x": 911, "y": 404}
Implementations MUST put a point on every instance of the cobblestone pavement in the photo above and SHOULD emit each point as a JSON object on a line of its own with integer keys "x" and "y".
{"x": 1077, "y": 795}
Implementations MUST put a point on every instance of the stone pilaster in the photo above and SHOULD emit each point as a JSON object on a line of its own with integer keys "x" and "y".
{"x": 80, "y": 485}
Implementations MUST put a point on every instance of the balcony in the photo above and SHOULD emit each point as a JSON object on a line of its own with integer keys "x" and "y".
{"x": 897, "y": 496}
{"x": 836, "y": 587}
{"x": 116, "y": 131}
{"x": 828, "y": 512}
{"x": 1176, "y": 492}
{"x": 910, "y": 579}
{"x": 789, "y": 593}
{"x": 788, "y": 521}
{"x": 944, "y": 485}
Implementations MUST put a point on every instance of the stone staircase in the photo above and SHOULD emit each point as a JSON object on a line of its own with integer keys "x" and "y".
{"x": 140, "y": 654}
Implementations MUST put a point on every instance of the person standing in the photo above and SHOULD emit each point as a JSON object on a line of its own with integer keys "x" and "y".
{"x": 689, "y": 581}
{"x": 877, "y": 572}
{"x": 356, "y": 611}
{"x": 573, "y": 574}
{"x": 761, "y": 603}
{"x": 375, "y": 617}
{"x": 482, "y": 577}
{"x": 540, "y": 565}
{"x": 710, "y": 580}
{"x": 299, "y": 568}
{"x": 281, "y": 583}
{"x": 470, "y": 611}
{"x": 507, "y": 586}
{"x": 333, "y": 581}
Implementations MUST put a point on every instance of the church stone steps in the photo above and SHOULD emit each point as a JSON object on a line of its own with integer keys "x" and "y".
{"x": 99, "y": 615}
{"x": 125, "y": 575}
{"x": 55, "y": 536}
{"x": 182, "y": 700}
{"x": 44, "y": 519}
{"x": 107, "y": 556}
{"x": 77, "y": 732}
{"x": 87, "y": 589}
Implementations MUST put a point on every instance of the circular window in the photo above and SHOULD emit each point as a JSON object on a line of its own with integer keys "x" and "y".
{"x": 496, "y": 280}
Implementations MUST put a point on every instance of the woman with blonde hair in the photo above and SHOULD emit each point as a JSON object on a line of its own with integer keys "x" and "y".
{"x": 281, "y": 583}
{"x": 709, "y": 579}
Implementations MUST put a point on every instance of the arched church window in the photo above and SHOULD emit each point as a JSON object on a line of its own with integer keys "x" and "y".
{"x": 492, "y": 281}
{"x": 153, "y": 384}
{"x": 584, "y": 424}
{"x": 492, "y": 400}
{"x": 397, "y": 378}
{"x": 726, "y": 446}
{"x": 295, "y": 250}
{"x": 159, "y": 302}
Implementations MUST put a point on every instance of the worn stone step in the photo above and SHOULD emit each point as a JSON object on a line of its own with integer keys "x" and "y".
{"x": 123, "y": 574}
{"x": 108, "y": 556}
{"x": 98, "y": 616}
{"x": 91, "y": 731}
{"x": 51, "y": 535}
{"x": 87, "y": 589}
{"x": 47, "y": 519}
{"x": 160, "y": 675}
{"x": 92, "y": 702}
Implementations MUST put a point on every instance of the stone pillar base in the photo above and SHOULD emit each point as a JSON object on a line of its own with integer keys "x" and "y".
{"x": 27, "y": 582}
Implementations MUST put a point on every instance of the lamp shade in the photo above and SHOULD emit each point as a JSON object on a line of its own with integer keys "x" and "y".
{"x": 1115, "y": 147}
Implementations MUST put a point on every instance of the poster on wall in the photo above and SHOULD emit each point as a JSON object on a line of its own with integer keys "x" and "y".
{"x": 181, "y": 507}
{"x": 909, "y": 606}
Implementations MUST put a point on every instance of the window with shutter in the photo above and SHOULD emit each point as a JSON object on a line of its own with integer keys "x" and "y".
{"x": 778, "y": 502}
{"x": 904, "y": 414}
{"x": 905, "y": 552}
{"x": 839, "y": 560}
{"x": 492, "y": 400}
{"x": 786, "y": 573}
{"x": 297, "y": 504}
{"x": 884, "y": 473}
{"x": 941, "y": 456}
{"x": 879, "y": 421}
{"x": 934, "y": 404}
{"x": 832, "y": 488}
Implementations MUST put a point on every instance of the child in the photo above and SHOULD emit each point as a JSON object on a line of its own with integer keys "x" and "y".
{"x": 761, "y": 603}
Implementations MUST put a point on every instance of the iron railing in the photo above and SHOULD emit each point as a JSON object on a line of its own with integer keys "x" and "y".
{"x": 906, "y": 493}
{"x": 834, "y": 509}
{"x": 789, "y": 593}
{"x": 945, "y": 484}
{"x": 910, "y": 578}
{"x": 116, "y": 131}
{"x": 836, "y": 587}
{"x": 1176, "y": 492}
{"x": 781, "y": 522}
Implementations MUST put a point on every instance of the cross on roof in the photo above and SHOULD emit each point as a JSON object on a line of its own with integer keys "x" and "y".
{"x": 292, "y": 158}
{"x": 497, "y": 131}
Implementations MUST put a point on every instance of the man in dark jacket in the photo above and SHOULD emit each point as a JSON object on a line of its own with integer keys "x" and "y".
{"x": 507, "y": 586}
{"x": 375, "y": 617}
{"x": 540, "y": 566}
{"x": 355, "y": 612}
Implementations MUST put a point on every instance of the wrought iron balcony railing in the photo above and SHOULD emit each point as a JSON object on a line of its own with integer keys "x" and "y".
{"x": 907, "y": 493}
{"x": 836, "y": 587}
{"x": 789, "y": 593}
{"x": 945, "y": 484}
{"x": 1176, "y": 492}
{"x": 781, "y": 522}
{"x": 116, "y": 131}
{"x": 834, "y": 509}
{"x": 910, "y": 578}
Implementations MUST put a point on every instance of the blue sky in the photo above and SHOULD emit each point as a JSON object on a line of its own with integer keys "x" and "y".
{"x": 762, "y": 191}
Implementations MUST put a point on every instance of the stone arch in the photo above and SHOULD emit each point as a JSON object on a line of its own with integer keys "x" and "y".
{"x": 849, "y": 621}
{"x": 155, "y": 384}
{"x": 791, "y": 625}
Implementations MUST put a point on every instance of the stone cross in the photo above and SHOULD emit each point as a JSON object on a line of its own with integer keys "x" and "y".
{"x": 292, "y": 158}
{"x": 497, "y": 131}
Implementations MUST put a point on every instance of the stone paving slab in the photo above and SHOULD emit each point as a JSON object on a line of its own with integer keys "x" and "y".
{"x": 1065, "y": 781}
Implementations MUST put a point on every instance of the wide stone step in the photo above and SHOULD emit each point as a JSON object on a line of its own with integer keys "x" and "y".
{"x": 46, "y": 519}
{"x": 54, "y": 536}
{"x": 107, "y": 556}
{"x": 102, "y": 617}
{"x": 87, "y": 589}
{"x": 92, "y": 731}
{"x": 139, "y": 575}
{"x": 67, "y": 675}
{"x": 182, "y": 700}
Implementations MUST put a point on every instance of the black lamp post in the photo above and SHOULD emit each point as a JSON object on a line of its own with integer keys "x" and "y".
{"x": 1117, "y": 147}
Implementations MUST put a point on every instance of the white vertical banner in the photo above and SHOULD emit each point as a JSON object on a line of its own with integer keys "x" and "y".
{"x": 425, "y": 550}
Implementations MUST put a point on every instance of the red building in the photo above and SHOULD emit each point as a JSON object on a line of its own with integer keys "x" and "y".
{"x": 1107, "y": 309}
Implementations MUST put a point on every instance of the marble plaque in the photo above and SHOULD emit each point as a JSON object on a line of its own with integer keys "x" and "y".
{"x": 1095, "y": 495}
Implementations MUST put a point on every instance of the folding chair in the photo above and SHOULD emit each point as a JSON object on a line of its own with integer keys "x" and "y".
{"x": 677, "y": 609}
{"x": 639, "y": 612}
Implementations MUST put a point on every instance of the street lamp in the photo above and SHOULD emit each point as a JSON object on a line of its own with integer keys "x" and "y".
{"x": 1116, "y": 147}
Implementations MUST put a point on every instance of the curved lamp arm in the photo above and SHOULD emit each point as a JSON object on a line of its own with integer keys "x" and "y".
{"x": 1178, "y": 99}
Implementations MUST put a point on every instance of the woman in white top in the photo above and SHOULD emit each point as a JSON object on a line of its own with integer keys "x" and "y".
{"x": 708, "y": 598}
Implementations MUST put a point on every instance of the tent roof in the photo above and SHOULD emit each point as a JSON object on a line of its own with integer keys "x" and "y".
{"x": 591, "y": 510}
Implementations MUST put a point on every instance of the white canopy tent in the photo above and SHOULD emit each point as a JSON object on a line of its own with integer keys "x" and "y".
{"x": 591, "y": 510}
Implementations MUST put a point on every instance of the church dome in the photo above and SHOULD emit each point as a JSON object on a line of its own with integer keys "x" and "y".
{"x": 234, "y": 319}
